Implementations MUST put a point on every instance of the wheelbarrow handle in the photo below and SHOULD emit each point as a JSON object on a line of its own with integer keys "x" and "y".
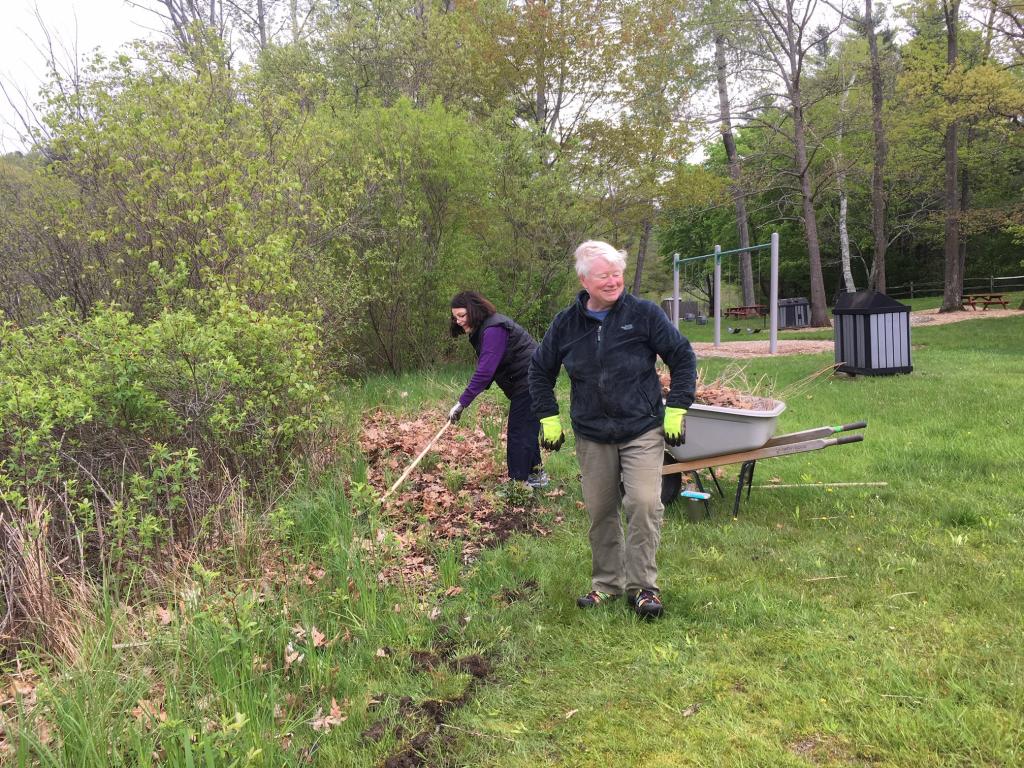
{"x": 849, "y": 439}
{"x": 850, "y": 427}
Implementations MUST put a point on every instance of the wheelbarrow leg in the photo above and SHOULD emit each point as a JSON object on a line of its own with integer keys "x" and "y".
{"x": 746, "y": 478}
{"x": 711, "y": 471}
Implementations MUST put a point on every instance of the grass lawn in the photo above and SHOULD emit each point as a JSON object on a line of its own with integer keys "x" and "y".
{"x": 846, "y": 626}
{"x": 857, "y": 625}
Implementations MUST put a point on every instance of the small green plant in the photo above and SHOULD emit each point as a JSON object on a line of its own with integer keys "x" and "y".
{"x": 363, "y": 498}
{"x": 449, "y": 564}
{"x": 963, "y": 517}
{"x": 492, "y": 426}
{"x": 430, "y": 461}
{"x": 454, "y": 479}
{"x": 516, "y": 493}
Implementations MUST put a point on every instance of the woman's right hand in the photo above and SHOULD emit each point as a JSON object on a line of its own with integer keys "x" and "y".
{"x": 455, "y": 412}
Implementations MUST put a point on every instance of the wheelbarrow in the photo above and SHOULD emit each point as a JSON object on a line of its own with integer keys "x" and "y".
{"x": 717, "y": 436}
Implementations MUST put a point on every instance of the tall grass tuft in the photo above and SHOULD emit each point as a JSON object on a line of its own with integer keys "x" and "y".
{"x": 40, "y": 603}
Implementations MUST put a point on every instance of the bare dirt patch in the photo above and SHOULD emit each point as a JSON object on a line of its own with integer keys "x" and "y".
{"x": 520, "y": 592}
{"x": 430, "y": 716}
{"x": 934, "y": 317}
{"x": 475, "y": 665}
{"x": 746, "y": 349}
{"x": 819, "y": 749}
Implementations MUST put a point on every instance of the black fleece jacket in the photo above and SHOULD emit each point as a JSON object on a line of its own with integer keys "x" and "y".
{"x": 615, "y": 394}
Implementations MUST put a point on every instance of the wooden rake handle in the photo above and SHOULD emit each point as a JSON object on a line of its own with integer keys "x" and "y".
{"x": 412, "y": 466}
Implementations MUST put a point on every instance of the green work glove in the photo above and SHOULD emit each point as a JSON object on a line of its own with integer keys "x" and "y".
{"x": 551, "y": 434}
{"x": 675, "y": 429}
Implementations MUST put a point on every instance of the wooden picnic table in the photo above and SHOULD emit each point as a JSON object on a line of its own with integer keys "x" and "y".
{"x": 986, "y": 300}
{"x": 753, "y": 310}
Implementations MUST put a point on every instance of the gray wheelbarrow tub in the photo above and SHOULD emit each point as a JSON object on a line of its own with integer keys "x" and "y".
{"x": 715, "y": 430}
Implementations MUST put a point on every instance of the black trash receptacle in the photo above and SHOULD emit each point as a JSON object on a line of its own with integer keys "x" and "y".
{"x": 872, "y": 333}
{"x": 794, "y": 313}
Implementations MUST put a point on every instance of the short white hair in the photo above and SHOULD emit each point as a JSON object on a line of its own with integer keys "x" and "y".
{"x": 597, "y": 249}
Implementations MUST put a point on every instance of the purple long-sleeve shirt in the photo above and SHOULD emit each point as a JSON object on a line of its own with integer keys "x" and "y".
{"x": 492, "y": 348}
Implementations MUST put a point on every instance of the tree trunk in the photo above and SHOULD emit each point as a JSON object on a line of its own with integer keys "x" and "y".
{"x": 877, "y": 279}
{"x": 965, "y": 175}
{"x": 782, "y": 37}
{"x": 952, "y": 298}
{"x": 844, "y": 235}
{"x": 641, "y": 255}
{"x": 261, "y": 22}
{"x": 965, "y": 204}
{"x": 739, "y": 199}
{"x": 819, "y": 308}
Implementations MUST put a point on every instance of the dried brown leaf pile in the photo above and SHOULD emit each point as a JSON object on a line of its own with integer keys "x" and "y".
{"x": 730, "y": 390}
{"x": 449, "y": 497}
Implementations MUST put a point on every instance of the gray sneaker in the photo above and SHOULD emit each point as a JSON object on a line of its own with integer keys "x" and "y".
{"x": 538, "y": 479}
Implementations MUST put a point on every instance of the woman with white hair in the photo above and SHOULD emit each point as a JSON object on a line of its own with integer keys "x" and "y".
{"x": 608, "y": 342}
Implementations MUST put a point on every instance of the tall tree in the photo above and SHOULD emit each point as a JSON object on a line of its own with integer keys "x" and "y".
{"x": 881, "y": 150}
{"x": 953, "y": 283}
{"x": 187, "y": 22}
{"x": 735, "y": 173}
{"x": 566, "y": 55}
{"x": 655, "y": 89}
{"x": 983, "y": 95}
{"x": 784, "y": 31}
{"x": 840, "y": 163}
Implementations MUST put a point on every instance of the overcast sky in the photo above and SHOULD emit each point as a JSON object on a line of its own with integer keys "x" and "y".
{"x": 74, "y": 24}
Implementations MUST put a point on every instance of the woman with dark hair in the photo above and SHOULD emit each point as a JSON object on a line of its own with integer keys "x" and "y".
{"x": 503, "y": 350}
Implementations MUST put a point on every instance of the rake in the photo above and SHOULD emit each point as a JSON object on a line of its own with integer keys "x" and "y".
{"x": 416, "y": 461}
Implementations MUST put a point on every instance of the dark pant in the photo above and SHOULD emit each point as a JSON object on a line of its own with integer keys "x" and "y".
{"x": 523, "y": 431}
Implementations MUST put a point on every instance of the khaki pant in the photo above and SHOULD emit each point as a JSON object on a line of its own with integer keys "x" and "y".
{"x": 623, "y": 563}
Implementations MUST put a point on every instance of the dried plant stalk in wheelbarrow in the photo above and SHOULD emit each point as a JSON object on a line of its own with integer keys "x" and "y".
{"x": 733, "y": 422}
{"x": 732, "y": 413}
{"x": 730, "y": 389}
{"x": 733, "y": 389}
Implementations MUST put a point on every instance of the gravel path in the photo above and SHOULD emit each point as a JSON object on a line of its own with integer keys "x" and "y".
{"x": 759, "y": 348}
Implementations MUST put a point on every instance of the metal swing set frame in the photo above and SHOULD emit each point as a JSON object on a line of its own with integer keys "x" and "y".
{"x": 773, "y": 297}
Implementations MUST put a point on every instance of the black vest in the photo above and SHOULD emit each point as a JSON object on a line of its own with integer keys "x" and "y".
{"x": 515, "y": 364}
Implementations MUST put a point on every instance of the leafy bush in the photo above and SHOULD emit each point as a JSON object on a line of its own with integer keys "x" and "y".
{"x": 139, "y": 438}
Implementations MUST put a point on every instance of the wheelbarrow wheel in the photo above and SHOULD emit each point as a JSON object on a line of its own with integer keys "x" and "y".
{"x": 671, "y": 485}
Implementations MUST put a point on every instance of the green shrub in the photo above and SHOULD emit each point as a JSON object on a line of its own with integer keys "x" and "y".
{"x": 137, "y": 435}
